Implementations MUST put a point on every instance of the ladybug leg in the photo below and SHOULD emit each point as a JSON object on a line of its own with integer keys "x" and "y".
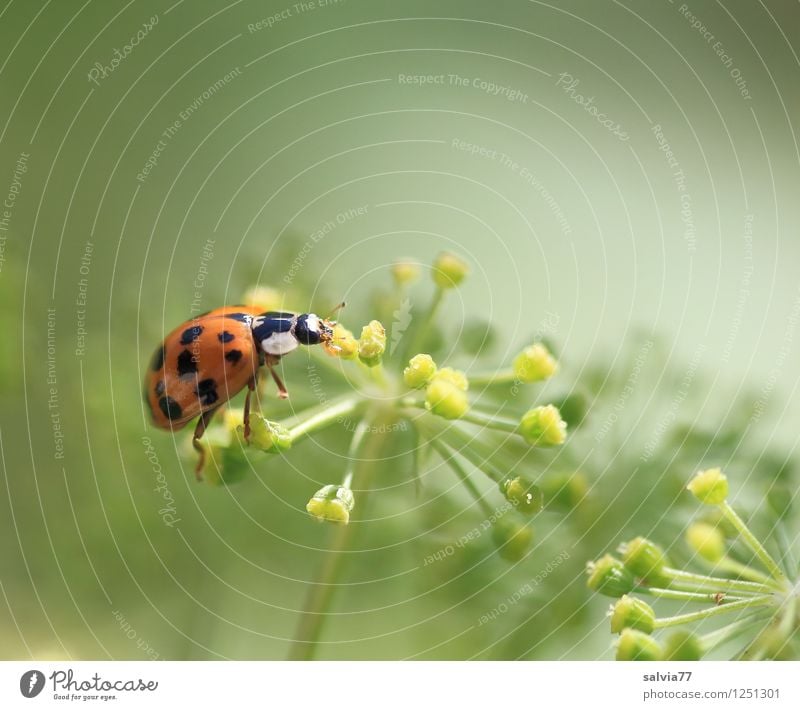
{"x": 250, "y": 387}
{"x": 199, "y": 430}
{"x": 270, "y": 362}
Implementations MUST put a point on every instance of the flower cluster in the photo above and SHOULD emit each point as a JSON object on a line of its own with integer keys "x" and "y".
{"x": 756, "y": 596}
{"x": 468, "y": 419}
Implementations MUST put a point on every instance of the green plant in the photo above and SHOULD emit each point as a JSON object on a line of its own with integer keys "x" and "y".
{"x": 759, "y": 596}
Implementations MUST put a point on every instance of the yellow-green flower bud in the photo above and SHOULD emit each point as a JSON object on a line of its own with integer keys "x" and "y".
{"x": 706, "y": 540}
{"x": 564, "y": 491}
{"x": 454, "y": 377}
{"x": 421, "y": 368}
{"x": 632, "y": 613}
{"x": 709, "y": 486}
{"x": 343, "y": 344}
{"x": 610, "y": 577}
{"x": 445, "y": 399}
{"x": 526, "y": 496}
{"x": 405, "y": 272}
{"x": 636, "y": 645}
{"x": 449, "y": 270}
{"x": 268, "y": 436}
{"x": 534, "y": 363}
{"x": 645, "y": 559}
{"x": 332, "y": 503}
{"x": 372, "y": 343}
{"x": 543, "y": 426}
{"x": 512, "y": 538}
{"x": 682, "y": 646}
{"x": 264, "y": 298}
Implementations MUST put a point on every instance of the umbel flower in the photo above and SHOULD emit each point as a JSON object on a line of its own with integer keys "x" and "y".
{"x": 478, "y": 423}
{"x": 757, "y": 597}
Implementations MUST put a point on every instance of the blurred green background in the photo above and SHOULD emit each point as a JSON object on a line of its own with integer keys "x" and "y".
{"x": 306, "y": 146}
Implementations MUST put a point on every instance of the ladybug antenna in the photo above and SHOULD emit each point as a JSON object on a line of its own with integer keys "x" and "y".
{"x": 335, "y": 310}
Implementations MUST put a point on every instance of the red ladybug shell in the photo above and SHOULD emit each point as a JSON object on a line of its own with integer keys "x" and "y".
{"x": 200, "y": 365}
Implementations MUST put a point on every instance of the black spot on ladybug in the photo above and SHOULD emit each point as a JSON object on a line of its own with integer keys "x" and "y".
{"x": 158, "y": 359}
{"x": 186, "y": 364}
{"x": 159, "y": 388}
{"x": 241, "y": 317}
{"x": 233, "y": 356}
{"x": 207, "y": 391}
{"x": 171, "y": 409}
{"x": 191, "y": 334}
{"x": 225, "y": 337}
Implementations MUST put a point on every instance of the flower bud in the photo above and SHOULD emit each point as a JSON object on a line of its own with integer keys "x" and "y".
{"x": 526, "y": 496}
{"x": 709, "y": 486}
{"x": 534, "y": 363}
{"x": 263, "y": 297}
{"x": 343, "y": 344}
{"x": 268, "y": 436}
{"x": 372, "y": 343}
{"x": 421, "y": 368}
{"x": 564, "y": 491}
{"x": 449, "y": 270}
{"x": 454, "y": 377}
{"x": 513, "y": 538}
{"x": 682, "y": 646}
{"x": 636, "y": 645}
{"x": 645, "y": 559}
{"x": 332, "y": 503}
{"x": 706, "y": 540}
{"x": 610, "y": 577}
{"x": 543, "y": 426}
{"x": 405, "y": 272}
{"x": 445, "y": 399}
{"x": 632, "y": 613}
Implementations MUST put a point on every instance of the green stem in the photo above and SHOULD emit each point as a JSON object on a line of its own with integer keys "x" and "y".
{"x": 325, "y": 415}
{"x": 491, "y": 421}
{"x": 728, "y": 564}
{"x": 752, "y": 542}
{"x": 352, "y": 452}
{"x": 449, "y": 457}
{"x": 764, "y": 600}
{"x": 418, "y": 339}
{"x": 506, "y": 376}
{"x": 688, "y": 596}
{"x": 719, "y": 583}
{"x": 719, "y": 636}
{"x": 464, "y": 448}
{"x": 320, "y": 593}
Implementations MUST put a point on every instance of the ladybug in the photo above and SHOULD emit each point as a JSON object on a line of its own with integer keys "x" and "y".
{"x": 209, "y": 359}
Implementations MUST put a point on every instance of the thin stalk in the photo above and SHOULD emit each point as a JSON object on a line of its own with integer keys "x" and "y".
{"x": 418, "y": 338}
{"x": 320, "y": 593}
{"x": 679, "y": 619}
{"x": 752, "y": 542}
{"x": 720, "y": 583}
{"x": 325, "y": 416}
{"x": 728, "y": 564}
{"x": 726, "y": 633}
{"x": 506, "y": 376}
{"x": 688, "y": 596}
{"x": 449, "y": 457}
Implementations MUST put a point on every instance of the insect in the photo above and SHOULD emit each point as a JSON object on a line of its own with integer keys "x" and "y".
{"x": 209, "y": 359}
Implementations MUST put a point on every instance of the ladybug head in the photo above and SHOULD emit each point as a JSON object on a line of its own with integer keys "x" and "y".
{"x": 310, "y": 329}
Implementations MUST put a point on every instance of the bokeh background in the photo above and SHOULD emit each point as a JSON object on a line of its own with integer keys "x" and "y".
{"x": 305, "y": 147}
